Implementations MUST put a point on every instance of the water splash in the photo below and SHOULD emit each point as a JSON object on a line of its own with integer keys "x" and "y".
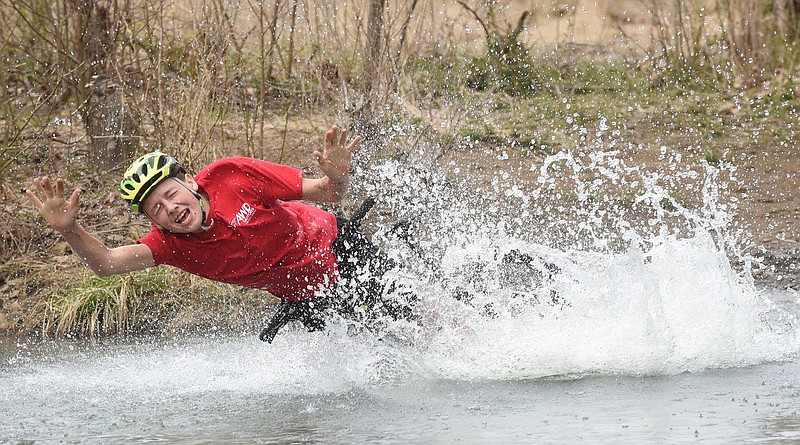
{"x": 582, "y": 264}
{"x": 576, "y": 264}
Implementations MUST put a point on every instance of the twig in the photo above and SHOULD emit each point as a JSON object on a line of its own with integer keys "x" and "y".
{"x": 285, "y": 131}
{"x": 478, "y": 18}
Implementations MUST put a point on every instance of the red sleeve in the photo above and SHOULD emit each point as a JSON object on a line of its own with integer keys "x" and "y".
{"x": 155, "y": 240}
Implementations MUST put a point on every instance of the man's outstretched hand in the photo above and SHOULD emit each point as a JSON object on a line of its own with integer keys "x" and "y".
{"x": 52, "y": 204}
{"x": 334, "y": 160}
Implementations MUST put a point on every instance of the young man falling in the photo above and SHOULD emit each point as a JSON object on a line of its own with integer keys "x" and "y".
{"x": 241, "y": 221}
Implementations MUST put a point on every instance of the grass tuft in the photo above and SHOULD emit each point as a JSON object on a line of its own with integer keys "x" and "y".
{"x": 149, "y": 301}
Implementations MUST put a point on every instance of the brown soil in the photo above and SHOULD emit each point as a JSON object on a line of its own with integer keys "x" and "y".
{"x": 33, "y": 256}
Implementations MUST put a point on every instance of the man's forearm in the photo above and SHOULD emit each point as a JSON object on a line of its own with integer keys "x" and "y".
{"x": 96, "y": 255}
{"x": 325, "y": 189}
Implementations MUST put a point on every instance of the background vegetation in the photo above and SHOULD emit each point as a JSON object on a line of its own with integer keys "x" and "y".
{"x": 89, "y": 84}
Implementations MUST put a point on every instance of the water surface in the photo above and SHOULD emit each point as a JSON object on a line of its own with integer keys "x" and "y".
{"x": 587, "y": 326}
{"x": 236, "y": 390}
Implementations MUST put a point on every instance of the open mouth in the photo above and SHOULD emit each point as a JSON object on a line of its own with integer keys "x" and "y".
{"x": 182, "y": 217}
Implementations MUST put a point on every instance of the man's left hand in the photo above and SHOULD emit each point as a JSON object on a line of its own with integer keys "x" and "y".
{"x": 334, "y": 160}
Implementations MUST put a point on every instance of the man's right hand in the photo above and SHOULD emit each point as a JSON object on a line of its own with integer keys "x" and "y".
{"x": 52, "y": 204}
{"x": 63, "y": 215}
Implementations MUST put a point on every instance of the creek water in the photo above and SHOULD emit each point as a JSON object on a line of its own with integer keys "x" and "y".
{"x": 642, "y": 333}
{"x": 339, "y": 388}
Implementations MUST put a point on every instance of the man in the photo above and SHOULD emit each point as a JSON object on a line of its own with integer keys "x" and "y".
{"x": 240, "y": 221}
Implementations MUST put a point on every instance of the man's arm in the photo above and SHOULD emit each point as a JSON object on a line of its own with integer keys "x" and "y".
{"x": 104, "y": 261}
{"x": 334, "y": 161}
{"x": 324, "y": 190}
{"x": 62, "y": 215}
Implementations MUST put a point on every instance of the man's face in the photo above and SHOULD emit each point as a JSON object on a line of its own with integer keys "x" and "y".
{"x": 173, "y": 207}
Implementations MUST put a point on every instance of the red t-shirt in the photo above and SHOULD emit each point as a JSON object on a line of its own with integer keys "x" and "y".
{"x": 257, "y": 239}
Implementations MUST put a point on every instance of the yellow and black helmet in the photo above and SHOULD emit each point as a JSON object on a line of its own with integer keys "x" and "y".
{"x": 145, "y": 174}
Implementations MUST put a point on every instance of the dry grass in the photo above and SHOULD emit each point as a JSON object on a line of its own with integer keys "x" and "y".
{"x": 192, "y": 67}
{"x": 98, "y": 307}
{"x": 219, "y": 77}
{"x": 148, "y": 301}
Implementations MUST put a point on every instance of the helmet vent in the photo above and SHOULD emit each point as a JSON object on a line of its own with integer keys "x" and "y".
{"x": 146, "y": 173}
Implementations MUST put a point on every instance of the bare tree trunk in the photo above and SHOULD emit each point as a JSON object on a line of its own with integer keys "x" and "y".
{"x": 793, "y": 19}
{"x": 273, "y": 36}
{"x": 262, "y": 63}
{"x": 98, "y": 32}
{"x": 398, "y": 52}
{"x": 292, "y": 27}
{"x": 112, "y": 123}
{"x": 374, "y": 52}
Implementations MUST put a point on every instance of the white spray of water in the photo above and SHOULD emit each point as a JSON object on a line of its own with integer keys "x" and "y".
{"x": 676, "y": 307}
{"x": 596, "y": 268}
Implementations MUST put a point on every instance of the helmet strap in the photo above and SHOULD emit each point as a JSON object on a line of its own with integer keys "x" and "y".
{"x": 203, "y": 211}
